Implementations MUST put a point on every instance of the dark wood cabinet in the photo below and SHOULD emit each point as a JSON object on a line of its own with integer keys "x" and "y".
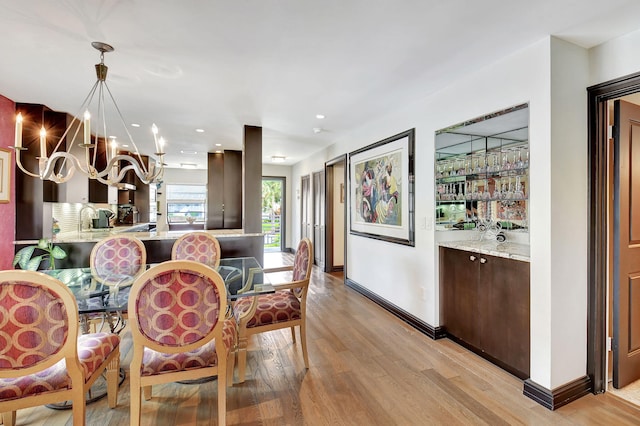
{"x": 224, "y": 190}
{"x": 485, "y": 306}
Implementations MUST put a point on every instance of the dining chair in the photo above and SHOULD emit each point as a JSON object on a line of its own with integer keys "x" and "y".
{"x": 177, "y": 313}
{"x": 198, "y": 246}
{"x": 286, "y": 308}
{"x": 116, "y": 261}
{"x": 43, "y": 360}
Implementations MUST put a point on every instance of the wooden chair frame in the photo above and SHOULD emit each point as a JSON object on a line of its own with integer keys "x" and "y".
{"x": 68, "y": 352}
{"x": 140, "y": 341}
{"x": 300, "y": 289}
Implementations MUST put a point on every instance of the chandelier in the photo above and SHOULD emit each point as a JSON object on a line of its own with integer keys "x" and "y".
{"x": 59, "y": 166}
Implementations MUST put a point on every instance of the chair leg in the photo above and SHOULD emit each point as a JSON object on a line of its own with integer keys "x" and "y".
{"x": 303, "y": 340}
{"x": 113, "y": 369}
{"x": 231, "y": 363}
{"x": 293, "y": 334}
{"x": 9, "y": 418}
{"x": 222, "y": 393}
{"x": 79, "y": 408}
{"x": 135, "y": 401}
{"x": 242, "y": 358}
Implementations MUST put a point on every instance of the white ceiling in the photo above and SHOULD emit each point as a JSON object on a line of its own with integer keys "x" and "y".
{"x": 221, "y": 64}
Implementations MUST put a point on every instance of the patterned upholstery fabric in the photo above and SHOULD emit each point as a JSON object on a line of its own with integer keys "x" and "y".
{"x": 33, "y": 324}
{"x": 116, "y": 258}
{"x": 280, "y": 306}
{"x": 301, "y": 262}
{"x": 177, "y": 308}
{"x": 93, "y": 349}
{"x": 157, "y": 363}
{"x": 199, "y": 247}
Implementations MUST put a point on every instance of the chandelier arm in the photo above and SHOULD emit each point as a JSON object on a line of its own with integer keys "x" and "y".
{"x": 124, "y": 125}
{"x": 21, "y": 167}
{"x": 48, "y": 167}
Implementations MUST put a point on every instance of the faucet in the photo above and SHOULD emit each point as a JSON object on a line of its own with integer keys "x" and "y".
{"x": 80, "y": 216}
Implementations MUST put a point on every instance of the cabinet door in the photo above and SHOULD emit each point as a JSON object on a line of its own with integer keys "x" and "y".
{"x": 459, "y": 294}
{"x": 504, "y": 298}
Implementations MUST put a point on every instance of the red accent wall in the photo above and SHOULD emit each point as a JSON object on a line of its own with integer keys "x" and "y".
{"x": 7, "y": 210}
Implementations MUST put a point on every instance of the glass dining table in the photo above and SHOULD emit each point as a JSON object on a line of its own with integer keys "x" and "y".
{"x": 108, "y": 298}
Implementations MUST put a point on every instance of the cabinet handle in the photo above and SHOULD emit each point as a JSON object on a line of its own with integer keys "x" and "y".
{"x": 483, "y": 260}
{"x": 472, "y": 258}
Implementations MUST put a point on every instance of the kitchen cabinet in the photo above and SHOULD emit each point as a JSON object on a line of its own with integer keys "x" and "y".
{"x": 485, "y": 306}
{"x": 224, "y": 190}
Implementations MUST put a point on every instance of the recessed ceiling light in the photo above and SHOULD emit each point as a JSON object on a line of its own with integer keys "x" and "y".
{"x": 218, "y": 152}
{"x": 317, "y": 130}
{"x": 319, "y": 116}
{"x": 200, "y": 130}
{"x": 188, "y": 165}
{"x": 125, "y": 146}
{"x": 218, "y": 144}
{"x": 278, "y": 159}
{"x": 182, "y": 151}
{"x": 135, "y": 125}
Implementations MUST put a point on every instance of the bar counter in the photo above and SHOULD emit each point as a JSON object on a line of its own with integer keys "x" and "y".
{"x": 78, "y": 245}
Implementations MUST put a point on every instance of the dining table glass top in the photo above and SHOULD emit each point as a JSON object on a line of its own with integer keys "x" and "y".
{"x": 243, "y": 277}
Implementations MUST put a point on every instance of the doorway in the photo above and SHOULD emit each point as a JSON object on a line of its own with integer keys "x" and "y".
{"x": 319, "y": 231}
{"x": 336, "y": 213}
{"x": 607, "y": 238}
{"x": 273, "y": 213}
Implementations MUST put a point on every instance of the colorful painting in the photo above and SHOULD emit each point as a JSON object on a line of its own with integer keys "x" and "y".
{"x": 379, "y": 190}
{"x": 381, "y": 197}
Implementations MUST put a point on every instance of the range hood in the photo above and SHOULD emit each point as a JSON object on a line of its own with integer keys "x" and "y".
{"x": 125, "y": 187}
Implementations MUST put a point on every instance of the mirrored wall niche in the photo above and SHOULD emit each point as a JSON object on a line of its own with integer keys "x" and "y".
{"x": 482, "y": 172}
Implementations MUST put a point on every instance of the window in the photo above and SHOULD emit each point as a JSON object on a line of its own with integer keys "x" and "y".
{"x": 186, "y": 203}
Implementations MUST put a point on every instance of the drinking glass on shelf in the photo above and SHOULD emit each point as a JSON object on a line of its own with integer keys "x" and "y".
{"x": 486, "y": 195}
{"x": 460, "y": 195}
{"x": 518, "y": 194}
{"x": 508, "y": 195}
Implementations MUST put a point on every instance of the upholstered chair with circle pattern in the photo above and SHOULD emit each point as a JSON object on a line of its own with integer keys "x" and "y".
{"x": 286, "y": 308}
{"x": 177, "y": 313}
{"x": 197, "y": 246}
{"x": 116, "y": 261}
{"x": 42, "y": 358}
{"x": 118, "y": 256}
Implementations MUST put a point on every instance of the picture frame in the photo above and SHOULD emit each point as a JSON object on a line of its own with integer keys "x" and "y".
{"x": 381, "y": 190}
{"x": 5, "y": 175}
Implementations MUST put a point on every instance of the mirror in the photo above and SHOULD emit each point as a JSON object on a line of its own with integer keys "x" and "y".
{"x": 482, "y": 172}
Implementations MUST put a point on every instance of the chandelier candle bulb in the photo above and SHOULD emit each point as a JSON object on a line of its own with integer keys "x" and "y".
{"x": 18, "y": 139}
{"x": 87, "y": 128}
{"x": 43, "y": 143}
{"x": 154, "y": 130}
{"x": 161, "y": 146}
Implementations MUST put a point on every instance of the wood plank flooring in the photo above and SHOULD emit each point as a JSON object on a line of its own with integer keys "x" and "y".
{"x": 366, "y": 368}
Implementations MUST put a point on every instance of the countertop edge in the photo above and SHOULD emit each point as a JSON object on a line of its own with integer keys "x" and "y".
{"x": 513, "y": 251}
{"x": 144, "y": 236}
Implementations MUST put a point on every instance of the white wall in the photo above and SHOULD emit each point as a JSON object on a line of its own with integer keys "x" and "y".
{"x": 558, "y": 263}
{"x": 614, "y": 59}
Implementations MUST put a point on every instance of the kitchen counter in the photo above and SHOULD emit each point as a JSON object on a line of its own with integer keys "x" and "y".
{"x": 492, "y": 248}
{"x": 78, "y": 245}
{"x": 97, "y": 235}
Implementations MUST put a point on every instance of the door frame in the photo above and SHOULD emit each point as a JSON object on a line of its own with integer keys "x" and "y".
{"x": 329, "y": 205}
{"x": 283, "y": 208}
{"x": 598, "y": 95}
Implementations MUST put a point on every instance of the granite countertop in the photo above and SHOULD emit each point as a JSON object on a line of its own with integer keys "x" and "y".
{"x": 97, "y": 235}
{"x": 492, "y": 248}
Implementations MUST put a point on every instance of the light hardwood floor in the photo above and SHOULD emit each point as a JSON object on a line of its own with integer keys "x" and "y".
{"x": 366, "y": 368}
